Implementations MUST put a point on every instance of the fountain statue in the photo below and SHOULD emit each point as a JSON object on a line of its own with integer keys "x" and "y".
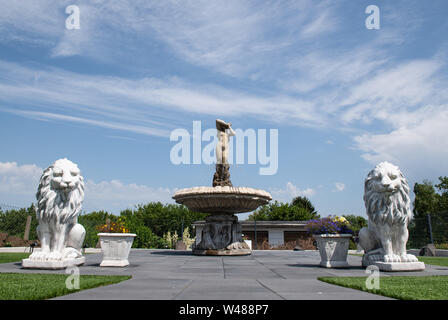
{"x": 222, "y": 174}
{"x": 222, "y": 231}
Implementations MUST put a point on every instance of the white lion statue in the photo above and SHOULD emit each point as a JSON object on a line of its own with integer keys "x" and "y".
{"x": 386, "y": 196}
{"x": 59, "y": 196}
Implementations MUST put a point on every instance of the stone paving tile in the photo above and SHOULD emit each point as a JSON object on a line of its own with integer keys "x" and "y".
{"x": 227, "y": 289}
{"x": 134, "y": 289}
{"x": 314, "y": 289}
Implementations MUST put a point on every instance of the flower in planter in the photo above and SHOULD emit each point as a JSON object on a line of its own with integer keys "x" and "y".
{"x": 113, "y": 227}
{"x": 329, "y": 225}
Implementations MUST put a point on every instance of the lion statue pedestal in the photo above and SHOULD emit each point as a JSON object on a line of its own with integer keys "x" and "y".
{"x": 386, "y": 196}
{"x": 59, "y": 202}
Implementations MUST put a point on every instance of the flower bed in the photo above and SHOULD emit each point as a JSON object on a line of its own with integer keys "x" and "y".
{"x": 329, "y": 225}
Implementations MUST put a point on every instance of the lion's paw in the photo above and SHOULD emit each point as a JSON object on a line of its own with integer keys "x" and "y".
{"x": 392, "y": 258}
{"x": 39, "y": 256}
{"x": 408, "y": 258}
{"x": 36, "y": 256}
{"x": 54, "y": 256}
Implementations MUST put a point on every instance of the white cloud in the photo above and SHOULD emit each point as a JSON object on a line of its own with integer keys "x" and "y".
{"x": 18, "y": 179}
{"x": 289, "y": 192}
{"x": 322, "y": 21}
{"x": 412, "y": 109}
{"x": 416, "y": 147}
{"x": 339, "y": 186}
{"x": 410, "y": 101}
{"x": 234, "y": 37}
{"x": 110, "y": 125}
{"x": 31, "y": 21}
{"x": 142, "y": 105}
{"x": 342, "y": 68}
{"x": 394, "y": 91}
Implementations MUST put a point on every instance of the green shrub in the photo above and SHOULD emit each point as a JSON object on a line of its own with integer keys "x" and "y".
{"x": 352, "y": 245}
{"x": 161, "y": 218}
{"x": 279, "y": 211}
{"x": 145, "y": 237}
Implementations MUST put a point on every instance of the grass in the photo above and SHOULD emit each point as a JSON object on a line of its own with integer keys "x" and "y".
{"x": 37, "y": 286}
{"x": 438, "y": 261}
{"x": 20, "y": 286}
{"x": 399, "y": 287}
{"x": 6, "y": 257}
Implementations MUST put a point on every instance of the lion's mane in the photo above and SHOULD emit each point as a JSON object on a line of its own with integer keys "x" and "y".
{"x": 55, "y": 205}
{"x": 383, "y": 207}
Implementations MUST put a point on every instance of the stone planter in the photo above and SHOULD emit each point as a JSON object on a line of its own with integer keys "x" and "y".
{"x": 115, "y": 248}
{"x": 249, "y": 243}
{"x": 333, "y": 249}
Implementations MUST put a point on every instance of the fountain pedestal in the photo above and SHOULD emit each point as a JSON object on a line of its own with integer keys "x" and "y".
{"x": 222, "y": 231}
{"x": 221, "y": 236}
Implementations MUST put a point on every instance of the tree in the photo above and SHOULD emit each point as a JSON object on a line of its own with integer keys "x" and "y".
{"x": 161, "y": 218}
{"x": 425, "y": 198}
{"x": 443, "y": 197}
{"x": 356, "y": 222}
{"x": 304, "y": 202}
{"x": 279, "y": 211}
{"x": 430, "y": 200}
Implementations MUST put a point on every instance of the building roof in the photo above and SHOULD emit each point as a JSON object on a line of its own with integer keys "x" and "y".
{"x": 250, "y": 224}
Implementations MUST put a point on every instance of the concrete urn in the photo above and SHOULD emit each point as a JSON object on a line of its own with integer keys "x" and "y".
{"x": 333, "y": 249}
{"x": 116, "y": 248}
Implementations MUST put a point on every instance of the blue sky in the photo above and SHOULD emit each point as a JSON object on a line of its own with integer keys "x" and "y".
{"x": 107, "y": 96}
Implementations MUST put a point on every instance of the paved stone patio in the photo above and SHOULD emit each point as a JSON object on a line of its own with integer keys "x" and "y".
{"x": 266, "y": 275}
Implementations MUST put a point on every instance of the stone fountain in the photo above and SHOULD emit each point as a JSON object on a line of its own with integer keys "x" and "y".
{"x": 222, "y": 231}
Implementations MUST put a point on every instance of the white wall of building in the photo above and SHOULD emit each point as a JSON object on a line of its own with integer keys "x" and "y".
{"x": 276, "y": 237}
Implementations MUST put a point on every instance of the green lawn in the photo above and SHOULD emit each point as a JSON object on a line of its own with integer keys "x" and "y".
{"x": 438, "y": 261}
{"x": 37, "y": 286}
{"x": 404, "y": 288}
{"x": 6, "y": 257}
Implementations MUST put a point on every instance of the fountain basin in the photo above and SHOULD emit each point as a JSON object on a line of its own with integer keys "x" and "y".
{"x": 222, "y": 231}
{"x": 222, "y": 200}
